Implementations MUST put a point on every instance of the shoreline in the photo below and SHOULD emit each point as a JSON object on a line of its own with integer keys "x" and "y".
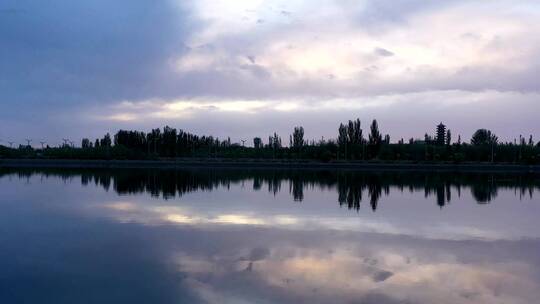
{"x": 263, "y": 164}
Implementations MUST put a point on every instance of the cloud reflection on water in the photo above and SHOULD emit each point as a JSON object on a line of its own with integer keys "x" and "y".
{"x": 238, "y": 245}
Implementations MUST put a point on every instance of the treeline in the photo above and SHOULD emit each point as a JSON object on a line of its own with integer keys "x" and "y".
{"x": 350, "y": 145}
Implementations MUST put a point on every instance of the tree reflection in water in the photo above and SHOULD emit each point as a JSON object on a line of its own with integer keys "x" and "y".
{"x": 350, "y": 185}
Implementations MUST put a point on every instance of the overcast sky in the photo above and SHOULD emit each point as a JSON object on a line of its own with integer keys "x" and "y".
{"x": 247, "y": 68}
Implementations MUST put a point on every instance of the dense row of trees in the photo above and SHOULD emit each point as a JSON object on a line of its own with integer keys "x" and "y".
{"x": 351, "y": 145}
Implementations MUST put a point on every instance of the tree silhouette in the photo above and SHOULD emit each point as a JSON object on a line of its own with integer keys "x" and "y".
{"x": 375, "y": 138}
{"x": 374, "y": 135}
{"x": 274, "y": 141}
{"x": 484, "y": 137}
{"x": 343, "y": 139}
{"x": 354, "y": 133}
{"x": 298, "y": 137}
{"x": 351, "y": 139}
{"x": 257, "y": 143}
{"x": 106, "y": 141}
{"x": 85, "y": 143}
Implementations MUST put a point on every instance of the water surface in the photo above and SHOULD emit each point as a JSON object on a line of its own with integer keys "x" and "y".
{"x": 262, "y": 236}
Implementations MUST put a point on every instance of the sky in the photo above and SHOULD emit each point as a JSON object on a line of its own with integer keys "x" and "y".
{"x": 246, "y": 68}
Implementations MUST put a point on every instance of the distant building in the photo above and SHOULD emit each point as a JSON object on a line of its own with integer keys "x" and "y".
{"x": 441, "y": 135}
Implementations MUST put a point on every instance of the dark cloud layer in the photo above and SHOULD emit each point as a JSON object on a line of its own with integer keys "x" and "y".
{"x": 73, "y": 52}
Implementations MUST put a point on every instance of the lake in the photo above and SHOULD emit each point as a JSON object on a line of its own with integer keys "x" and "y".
{"x": 268, "y": 236}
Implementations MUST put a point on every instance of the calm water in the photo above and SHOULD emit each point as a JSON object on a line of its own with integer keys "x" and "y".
{"x": 238, "y": 236}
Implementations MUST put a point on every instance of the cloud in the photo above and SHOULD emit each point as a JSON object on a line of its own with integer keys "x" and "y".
{"x": 65, "y": 52}
{"x": 251, "y": 59}
{"x": 66, "y": 57}
{"x": 383, "y": 52}
{"x": 321, "y": 116}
